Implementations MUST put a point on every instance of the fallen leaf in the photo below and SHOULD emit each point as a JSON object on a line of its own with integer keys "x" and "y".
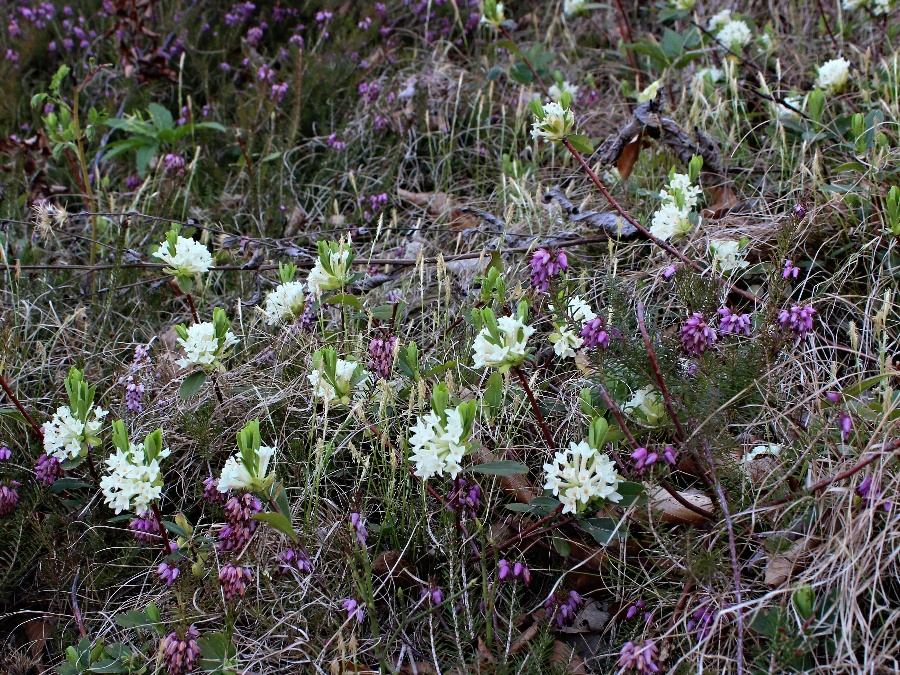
{"x": 563, "y": 656}
{"x": 722, "y": 200}
{"x": 630, "y": 153}
{"x": 675, "y": 512}
{"x": 780, "y": 566}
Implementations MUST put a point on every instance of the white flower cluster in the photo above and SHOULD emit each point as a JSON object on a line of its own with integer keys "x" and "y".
{"x": 556, "y": 91}
{"x": 493, "y": 14}
{"x": 833, "y": 75}
{"x": 65, "y": 436}
{"x": 877, "y": 7}
{"x": 571, "y": 8}
{"x": 727, "y": 255}
{"x": 509, "y": 350}
{"x": 438, "y": 449}
{"x": 647, "y": 405}
{"x": 580, "y": 475}
{"x": 672, "y": 219}
{"x": 285, "y": 303}
{"x": 554, "y": 124}
{"x": 718, "y": 20}
{"x": 772, "y": 449}
{"x": 201, "y": 347}
{"x": 132, "y": 484}
{"x": 190, "y": 257}
{"x": 236, "y": 476}
{"x": 566, "y": 341}
{"x": 344, "y": 371}
{"x": 735, "y": 34}
{"x": 321, "y": 279}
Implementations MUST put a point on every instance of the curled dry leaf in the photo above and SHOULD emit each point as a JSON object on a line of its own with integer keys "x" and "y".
{"x": 564, "y": 656}
{"x": 780, "y": 566}
{"x": 439, "y": 204}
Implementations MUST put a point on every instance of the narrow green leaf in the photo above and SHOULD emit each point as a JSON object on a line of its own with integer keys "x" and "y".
{"x": 279, "y": 521}
{"x": 501, "y": 468}
{"x": 191, "y": 385}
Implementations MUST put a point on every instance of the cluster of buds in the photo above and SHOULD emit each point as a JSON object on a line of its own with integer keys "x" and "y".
{"x": 355, "y": 610}
{"x": 639, "y": 656}
{"x": 797, "y": 320}
{"x": 545, "y": 265}
{"x": 697, "y": 335}
{"x": 464, "y": 497}
{"x": 167, "y": 573}
{"x": 637, "y": 607}
{"x": 594, "y": 334}
{"x": 358, "y": 523}
{"x": 145, "y": 529}
{"x": 561, "y": 607}
{"x": 47, "y": 469}
{"x": 211, "y": 494}
{"x": 240, "y": 526}
{"x": 644, "y": 459}
{"x": 433, "y": 594}
{"x": 9, "y": 498}
{"x": 180, "y": 654}
{"x": 291, "y": 560}
{"x": 381, "y": 355}
{"x": 234, "y": 580}
{"x": 518, "y": 570}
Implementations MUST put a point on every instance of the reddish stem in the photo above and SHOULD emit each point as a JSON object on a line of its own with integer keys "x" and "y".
{"x": 657, "y": 374}
{"x": 643, "y": 230}
{"x": 190, "y": 302}
{"x": 28, "y": 418}
{"x": 545, "y": 430}
{"x": 162, "y": 529}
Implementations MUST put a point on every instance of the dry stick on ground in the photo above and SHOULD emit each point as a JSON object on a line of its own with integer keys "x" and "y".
{"x": 735, "y": 564}
{"x": 643, "y": 230}
{"x": 625, "y": 27}
{"x": 657, "y": 374}
{"x": 21, "y": 408}
{"x": 620, "y": 419}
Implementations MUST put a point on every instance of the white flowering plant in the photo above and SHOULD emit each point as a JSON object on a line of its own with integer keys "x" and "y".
{"x": 501, "y": 343}
{"x": 335, "y": 380}
{"x": 75, "y": 428}
{"x": 646, "y": 406}
{"x": 492, "y": 14}
{"x": 332, "y": 270}
{"x": 727, "y": 254}
{"x": 677, "y": 214}
{"x": 554, "y": 122}
{"x": 833, "y": 75}
{"x": 249, "y": 470}
{"x": 583, "y": 475}
{"x": 566, "y": 338}
{"x": 440, "y": 439}
{"x": 187, "y": 259}
{"x": 288, "y": 300}
{"x": 133, "y": 480}
{"x": 206, "y": 344}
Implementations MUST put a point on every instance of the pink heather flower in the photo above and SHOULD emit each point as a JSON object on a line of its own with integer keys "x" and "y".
{"x": 518, "y": 570}
{"x": 869, "y": 491}
{"x": 637, "y": 607}
{"x": 133, "y": 182}
{"x": 833, "y": 396}
{"x": 211, "y": 494}
{"x": 798, "y": 319}
{"x": 240, "y": 525}
{"x": 278, "y": 91}
{"x": 180, "y": 654}
{"x": 639, "y": 657}
{"x": 643, "y": 459}
{"x": 173, "y": 163}
{"x": 381, "y": 355}
{"x": 669, "y": 271}
{"x": 5, "y": 453}
{"x": 354, "y": 609}
{"x": 292, "y": 560}
{"x": 696, "y": 335}
{"x": 545, "y": 265}
{"x": 47, "y": 469}
{"x": 234, "y": 580}
{"x": 254, "y": 36}
{"x": 464, "y": 497}
{"x": 845, "y": 422}
{"x": 432, "y": 594}
{"x": 670, "y": 456}
{"x": 701, "y": 620}
{"x": 134, "y": 392}
{"x": 799, "y": 211}
{"x": 562, "y": 607}
{"x": 732, "y": 323}
{"x": 167, "y": 573}
{"x": 594, "y": 334}
{"x": 359, "y": 526}
{"x": 9, "y": 498}
{"x": 790, "y": 270}
{"x": 335, "y": 143}
{"x": 504, "y": 569}
{"x": 144, "y": 529}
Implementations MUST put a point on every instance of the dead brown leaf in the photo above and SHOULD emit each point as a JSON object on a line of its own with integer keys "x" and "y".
{"x": 563, "y": 656}
{"x": 722, "y": 200}
{"x": 673, "y": 511}
{"x": 780, "y": 566}
{"x": 630, "y": 153}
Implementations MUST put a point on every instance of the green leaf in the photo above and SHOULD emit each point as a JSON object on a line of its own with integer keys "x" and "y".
{"x": 279, "y": 521}
{"x": 61, "y": 484}
{"x": 216, "y": 651}
{"x": 133, "y": 620}
{"x": 109, "y": 665}
{"x": 519, "y": 72}
{"x": 344, "y": 299}
{"x": 280, "y": 496}
{"x": 562, "y": 547}
{"x": 162, "y": 118}
{"x": 601, "y": 529}
{"x": 630, "y": 492}
{"x": 581, "y": 143}
{"x": 539, "y": 506}
{"x": 191, "y": 385}
{"x": 13, "y": 413}
{"x": 501, "y": 468}
{"x": 493, "y": 394}
{"x": 441, "y": 368}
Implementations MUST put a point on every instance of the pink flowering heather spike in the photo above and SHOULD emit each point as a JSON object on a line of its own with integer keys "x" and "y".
{"x": 696, "y": 335}
{"x": 798, "y": 319}
{"x": 144, "y": 529}
{"x": 545, "y": 265}
{"x": 359, "y": 525}
{"x": 789, "y": 270}
{"x": 732, "y": 323}
{"x": 354, "y": 610}
{"x": 669, "y": 455}
{"x": 180, "y": 654}
{"x": 464, "y": 497}
{"x": 9, "y": 498}
{"x": 594, "y": 334}
{"x": 5, "y": 453}
{"x": 639, "y": 657}
{"x": 381, "y": 355}
{"x": 846, "y": 424}
{"x": 292, "y": 560}
{"x": 167, "y": 573}
{"x": 234, "y": 580}
{"x": 48, "y": 469}
{"x": 211, "y": 494}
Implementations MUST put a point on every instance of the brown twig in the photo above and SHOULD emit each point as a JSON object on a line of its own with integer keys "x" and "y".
{"x": 545, "y": 430}
{"x": 827, "y": 24}
{"x": 657, "y": 374}
{"x": 643, "y": 230}
{"x": 528, "y": 531}
{"x": 16, "y": 402}
{"x": 625, "y": 27}
{"x": 735, "y": 564}
{"x": 193, "y": 308}
{"x": 162, "y": 529}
